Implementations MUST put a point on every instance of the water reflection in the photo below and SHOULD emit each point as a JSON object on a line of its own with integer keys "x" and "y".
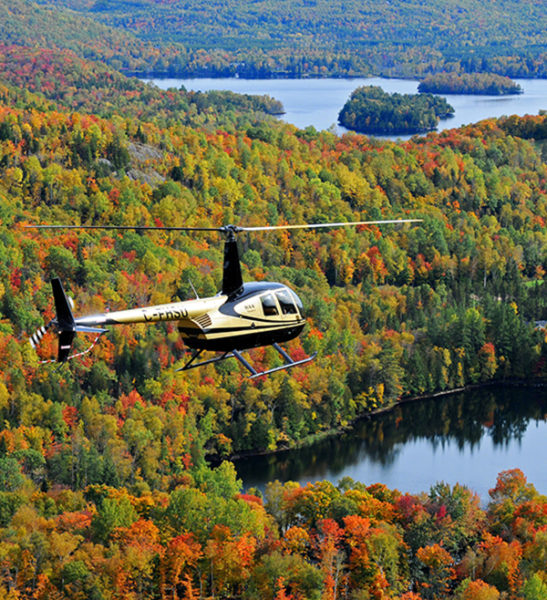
{"x": 466, "y": 437}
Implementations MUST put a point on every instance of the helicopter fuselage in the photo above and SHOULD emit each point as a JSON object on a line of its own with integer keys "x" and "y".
{"x": 258, "y": 314}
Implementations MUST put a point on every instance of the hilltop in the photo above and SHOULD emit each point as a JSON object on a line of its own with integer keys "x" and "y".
{"x": 94, "y": 87}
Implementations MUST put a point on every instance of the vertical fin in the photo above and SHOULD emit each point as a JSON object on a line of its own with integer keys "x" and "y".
{"x": 66, "y": 337}
{"x": 65, "y": 318}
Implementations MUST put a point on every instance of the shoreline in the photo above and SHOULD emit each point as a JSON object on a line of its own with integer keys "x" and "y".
{"x": 317, "y": 437}
{"x": 279, "y": 76}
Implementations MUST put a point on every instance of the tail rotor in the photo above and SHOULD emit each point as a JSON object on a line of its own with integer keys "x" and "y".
{"x": 37, "y": 336}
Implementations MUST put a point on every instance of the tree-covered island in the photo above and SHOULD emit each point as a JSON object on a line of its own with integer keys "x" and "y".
{"x": 371, "y": 110}
{"x": 469, "y": 83}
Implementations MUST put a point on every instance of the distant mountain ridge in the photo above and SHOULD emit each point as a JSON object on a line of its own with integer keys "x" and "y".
{"x": 301, "y": 38}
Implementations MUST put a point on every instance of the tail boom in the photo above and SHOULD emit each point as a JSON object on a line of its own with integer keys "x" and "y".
{"x": 175, "y": 311}
{"x": 66, "y": 325}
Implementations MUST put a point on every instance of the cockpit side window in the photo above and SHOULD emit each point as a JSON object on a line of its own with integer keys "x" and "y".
{"x": 286, "y": 302}
{"x": 269, "y": 305}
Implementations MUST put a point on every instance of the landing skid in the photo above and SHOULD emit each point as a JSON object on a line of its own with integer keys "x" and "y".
{"x": 289, "y": 361}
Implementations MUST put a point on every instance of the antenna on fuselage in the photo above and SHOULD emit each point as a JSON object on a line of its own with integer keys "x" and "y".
{"x": 194, "y": 289}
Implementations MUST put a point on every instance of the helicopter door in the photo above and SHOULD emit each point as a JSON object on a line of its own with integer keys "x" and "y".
{"x": 286, "y": 302}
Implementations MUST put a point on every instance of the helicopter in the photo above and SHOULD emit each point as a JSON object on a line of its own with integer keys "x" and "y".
{"x": 241, "y": 316}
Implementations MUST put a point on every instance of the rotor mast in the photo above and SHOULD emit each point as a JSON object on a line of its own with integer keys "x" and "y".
{"x": 232, "y": 280}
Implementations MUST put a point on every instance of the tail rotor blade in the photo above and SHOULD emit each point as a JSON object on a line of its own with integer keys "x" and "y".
{"x": 37, "y": 336}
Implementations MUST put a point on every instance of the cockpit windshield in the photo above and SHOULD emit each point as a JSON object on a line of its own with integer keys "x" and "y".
{"x": 298, "y": 302}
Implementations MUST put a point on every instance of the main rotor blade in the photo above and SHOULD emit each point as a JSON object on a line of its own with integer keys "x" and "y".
{"x": 322, "y": 225}
{"x": 228, "y": 229}
{"x": 125, "y": 227}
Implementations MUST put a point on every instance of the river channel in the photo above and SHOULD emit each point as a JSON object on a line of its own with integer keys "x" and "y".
{"x": 465, "y": 438}
{"x": 317, "y": 102}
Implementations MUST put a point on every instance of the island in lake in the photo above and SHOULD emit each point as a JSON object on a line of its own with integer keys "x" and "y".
{"x": 469, "y": 83}
{"x": 372, "y": 110}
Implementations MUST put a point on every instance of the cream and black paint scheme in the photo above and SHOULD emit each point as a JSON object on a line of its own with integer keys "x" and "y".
{"x": 240, "y": 317}
{"x": 222, "y": 322}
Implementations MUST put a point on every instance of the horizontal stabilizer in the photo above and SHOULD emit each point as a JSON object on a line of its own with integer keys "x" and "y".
{"x": 85, "y": 329}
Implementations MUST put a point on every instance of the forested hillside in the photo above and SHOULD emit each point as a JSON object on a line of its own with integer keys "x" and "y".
{"x": 92, "y": 87}
{"x": 291, "y": 39}
{"x": 391, "y": 312}
{"x": 27, "y": 23}
{"x": 205, "y": 539}
{"x": 105, "y": 489}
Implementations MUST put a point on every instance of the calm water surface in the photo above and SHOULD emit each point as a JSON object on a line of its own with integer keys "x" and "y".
{"x": 465, "y": 438}
{"x": 317, "y": 102}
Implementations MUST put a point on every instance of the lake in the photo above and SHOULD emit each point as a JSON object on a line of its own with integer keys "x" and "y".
{"x": 465, "y": 438}
{"x": 317, "y": 102}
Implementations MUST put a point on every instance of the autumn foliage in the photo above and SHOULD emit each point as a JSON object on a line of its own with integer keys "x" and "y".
{"x": 106, "y": 484}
